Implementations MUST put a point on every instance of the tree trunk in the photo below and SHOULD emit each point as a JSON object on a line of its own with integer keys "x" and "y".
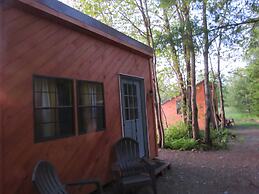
{"x": 221, "y": 98}
{"x": 187, "y": 58}
{"x": 188, "y": 90}
{"x": 213, "y": 106}
{"x": 206, "y": 75}
{"x": 191, "y": 72}
{"x": 176, "y": 68}
{"x": 195, "y": 126}
{"x": 142, "y": 6}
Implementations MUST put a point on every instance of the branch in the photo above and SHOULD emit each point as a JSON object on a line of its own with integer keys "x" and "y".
{"x": 229, "y": 26}
{"x": 132, "y": 23}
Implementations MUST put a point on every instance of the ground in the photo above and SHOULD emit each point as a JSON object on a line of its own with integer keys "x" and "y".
{"x": 231, "y": 171}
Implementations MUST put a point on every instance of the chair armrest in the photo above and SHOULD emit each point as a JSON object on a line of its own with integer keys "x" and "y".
{"x": 147, "y": 161}
{"x": 87, "y": 182}
{"x": 150, "y": 165}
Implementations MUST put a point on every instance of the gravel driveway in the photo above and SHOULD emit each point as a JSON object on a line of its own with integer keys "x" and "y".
{"x": 232, "y": 171}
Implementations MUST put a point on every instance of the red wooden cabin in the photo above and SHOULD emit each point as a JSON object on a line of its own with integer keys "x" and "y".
{"x": 70, "y": 87}
{"x": 172, "y": 108}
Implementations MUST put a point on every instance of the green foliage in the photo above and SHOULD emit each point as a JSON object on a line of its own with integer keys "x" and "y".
{"x": 99, "y": 9}
{"x": 182, "y": 144}
{"x": 177, "y": 131}
{"x": 243, "y": 86}
{"x": 220, "y": 138}
{"x": 177, "y": 138}
{"x": 242, "y": 119}
{"x": 167, "y": 87}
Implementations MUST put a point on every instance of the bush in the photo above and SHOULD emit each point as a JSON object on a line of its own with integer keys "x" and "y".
{"x": 219, "y": 138}
{"x": 182, "y": 144}
{"x": 178, "y": 131}
{"x": 176, "y": 137}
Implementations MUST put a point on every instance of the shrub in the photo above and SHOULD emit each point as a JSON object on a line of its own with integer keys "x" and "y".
{"x": 178, "y": 131}
{"x": 220, "y": 138}
{"x": 182, "y": 144}
{"x": 176, "y": 137}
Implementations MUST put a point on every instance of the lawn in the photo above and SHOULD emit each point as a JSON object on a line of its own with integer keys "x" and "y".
{"x": 242, "y": 119}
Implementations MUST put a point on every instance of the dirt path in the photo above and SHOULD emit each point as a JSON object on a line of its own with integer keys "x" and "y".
{"x": 232, "y": 171}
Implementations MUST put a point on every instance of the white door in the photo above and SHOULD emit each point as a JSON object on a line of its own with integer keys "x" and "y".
{"x": 133, "y": 111}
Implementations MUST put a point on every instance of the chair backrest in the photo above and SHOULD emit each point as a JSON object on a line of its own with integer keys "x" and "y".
{"x": 127, "y": 154}
{"x": 46, "y": 180}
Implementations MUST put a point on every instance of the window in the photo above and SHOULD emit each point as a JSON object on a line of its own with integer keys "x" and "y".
{"x": 130, "y": 100}
{"x": 90, "y": 106}
{"x": 178, "y": 107}
{"x": 53, "y": 108}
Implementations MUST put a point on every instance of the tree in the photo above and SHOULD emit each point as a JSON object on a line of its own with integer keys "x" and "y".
{"x": 206, "y": 73}
{"x": 252, "y": 71}
{"x": 176, "y": 62}
{"x": 191, "y": 51}
{"x": 221, "y": 98}
{"x": 182, "y": 45}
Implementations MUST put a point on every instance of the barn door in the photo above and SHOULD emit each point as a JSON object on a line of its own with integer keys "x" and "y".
{"x": 133, "y": 111}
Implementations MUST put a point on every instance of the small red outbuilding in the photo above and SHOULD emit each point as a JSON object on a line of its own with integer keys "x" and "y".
{"x": 171, "y": 108}
{"x": 70, "y": 87}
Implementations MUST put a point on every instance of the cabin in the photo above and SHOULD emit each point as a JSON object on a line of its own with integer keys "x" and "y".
{"x": 70, "y": 87}
{"x": 172, "y": 108}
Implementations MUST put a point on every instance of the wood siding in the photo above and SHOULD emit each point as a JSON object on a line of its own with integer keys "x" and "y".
{"x": 38, "y": 46}
{"x": 1, "y": 97}
{"x": 169, "y": 108}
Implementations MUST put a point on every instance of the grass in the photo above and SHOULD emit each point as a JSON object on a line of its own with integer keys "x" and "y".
{"x": 242, "y": 119}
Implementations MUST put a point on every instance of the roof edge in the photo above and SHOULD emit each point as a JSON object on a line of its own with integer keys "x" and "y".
{"x": 197, "y": 84}
{"x": 71, "y": 15}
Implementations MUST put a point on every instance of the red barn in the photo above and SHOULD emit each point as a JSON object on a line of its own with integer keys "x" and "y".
{"x": 172, "y": 108}
{"x": 70, "y": 87}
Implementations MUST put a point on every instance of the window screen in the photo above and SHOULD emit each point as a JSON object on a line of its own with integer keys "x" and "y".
{"x": 53, "y": 108}
{"x": 90, "y": 106}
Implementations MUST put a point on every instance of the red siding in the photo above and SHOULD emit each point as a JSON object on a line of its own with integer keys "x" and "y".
{"x": 1, "y": 102}
{"x": 170, "y": 116}
{"x": 200, "y": 98}
{"x": 169, "y": 108}
{"x": 39, "y": 46}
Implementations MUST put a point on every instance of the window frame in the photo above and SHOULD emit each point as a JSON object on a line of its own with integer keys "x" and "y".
{"x": 74, "y": 108}
{"x": 37, "y": 138}
{"x": 78, "y": 106}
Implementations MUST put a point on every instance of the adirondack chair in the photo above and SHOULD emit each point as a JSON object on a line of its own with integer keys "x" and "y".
{"x": 46, "y": 180}
{"x": 228, "y": 122}
{"x": 131, "y": 171}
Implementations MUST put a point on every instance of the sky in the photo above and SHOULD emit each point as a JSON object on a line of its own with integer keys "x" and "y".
{"x": 68, "y": 2}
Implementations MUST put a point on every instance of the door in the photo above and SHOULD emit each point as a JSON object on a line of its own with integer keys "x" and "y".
{"x": 133, "y": 111}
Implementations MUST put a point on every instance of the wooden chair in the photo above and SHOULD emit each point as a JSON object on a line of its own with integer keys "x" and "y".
{"x": 228, "y": 122}
{"x": 131, "y": 171}
{"x": 46, "y": 180}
